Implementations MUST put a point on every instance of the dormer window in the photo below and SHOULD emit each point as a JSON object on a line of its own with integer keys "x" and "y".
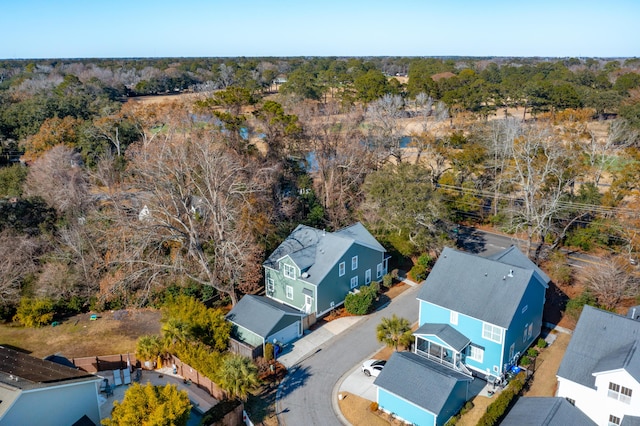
{"x": 289, "y": 271}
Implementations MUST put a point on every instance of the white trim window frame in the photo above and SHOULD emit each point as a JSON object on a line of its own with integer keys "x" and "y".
{"x": 476, "y": 353}
{"x": 341, "y": 269}
{"x": 453, "y": 317}
{"x": 289, "y": 292}
{"x": 367, "y": 277}
{"x": 270, "y": 285}
{"x": 613, "y": 420}
{"x": 289, "y": 271}
{"x": 354, "y": 282}
{"x": 491, "y": 332}
{"x": 354, "y": 263}
{"x": 379, "y": 269}
{"x": 621, "y": 393}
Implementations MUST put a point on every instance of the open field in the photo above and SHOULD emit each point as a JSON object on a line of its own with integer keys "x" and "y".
{"x": 112, "y": 333}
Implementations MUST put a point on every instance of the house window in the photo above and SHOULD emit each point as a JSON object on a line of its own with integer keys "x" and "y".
{"x": 571, "y": 401}
{"x": 354, "y": 263}
{"x": 491, "y": 332}
{"x": 613, "y": 420}
{"x": 524, "y": 335}
{"x": 270, "y": 285}
{"x": 476, "y": 353}
{"x": 524, "y": 308}
{"x": 530, "y": 330}
{"x": 367, "y": 276}
{"x": 289, "y": 271}
{"x": 341, "y": 269}
{"x": 379, "y": 270}
{"x": 289, "y": 292}
{"x": 619, "y": 392}
{"x": 354, "y": 282}
{"x": 453, "y": 317}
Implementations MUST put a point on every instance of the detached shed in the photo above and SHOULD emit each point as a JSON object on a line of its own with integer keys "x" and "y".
{"x": 259, "y": 320}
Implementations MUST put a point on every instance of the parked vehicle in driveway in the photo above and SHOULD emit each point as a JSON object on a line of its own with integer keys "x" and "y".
{"x": 373, "y": 367}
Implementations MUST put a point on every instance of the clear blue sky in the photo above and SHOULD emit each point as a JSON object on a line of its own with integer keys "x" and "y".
{"x": 161, "y": 28}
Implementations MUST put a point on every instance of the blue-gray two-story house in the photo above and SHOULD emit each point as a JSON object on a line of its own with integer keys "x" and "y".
{"x": 477, "y": 316}
{"x": 479, "y": 313}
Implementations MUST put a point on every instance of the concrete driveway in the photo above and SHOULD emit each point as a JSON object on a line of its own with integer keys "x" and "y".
{"x": 356, "y": 383}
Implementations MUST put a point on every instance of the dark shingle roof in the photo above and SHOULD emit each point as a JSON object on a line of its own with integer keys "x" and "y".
{"x": 23, "y": 371}
{"x": 482, "y": 288}
{"x": 602, "y": 341}
{"x": 446, "y": 333}
{"x": 262, "y": 315}
{"x": 419, "y": 380}
{"x": 513, "y": 256}
{"x": 549, "y": 411}
{"x": 316, "y": 252}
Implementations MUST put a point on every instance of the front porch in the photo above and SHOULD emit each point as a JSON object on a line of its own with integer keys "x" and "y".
{"x": 443, "y": 344}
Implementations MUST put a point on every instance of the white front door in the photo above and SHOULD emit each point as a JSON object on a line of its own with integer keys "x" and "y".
{"x": 308, "y": 301}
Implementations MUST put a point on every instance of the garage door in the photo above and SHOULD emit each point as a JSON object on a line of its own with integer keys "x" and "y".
{"x": 287, "y": 334}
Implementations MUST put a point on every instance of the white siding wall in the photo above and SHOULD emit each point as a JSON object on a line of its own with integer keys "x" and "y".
{"x": 595, "y": 403}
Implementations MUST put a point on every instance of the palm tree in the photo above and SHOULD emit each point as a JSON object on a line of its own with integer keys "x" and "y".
{"x": 148, "y": 347}
{"x": 238, "y": 376}
{"x": 394, "y": 331}
{"x": 175, "y": 331}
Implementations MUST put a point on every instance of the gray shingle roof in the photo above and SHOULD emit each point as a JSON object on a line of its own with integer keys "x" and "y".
{"x": 419, "y": 380}
{"x": 446, "y": 333}
{"x": 316, "y": 252}
{"x": 630, "y": 421}
{"x": 485, "y": 289}
{"x": 550, "y": 411}
{"x": 601, "y": 341}
{"x": 513, "y": 256}
{"x": 262, "y": 315}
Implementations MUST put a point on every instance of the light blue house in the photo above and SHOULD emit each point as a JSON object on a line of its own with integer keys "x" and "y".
{"x": 420, "y": 391}
{"x": 480, "y": 314}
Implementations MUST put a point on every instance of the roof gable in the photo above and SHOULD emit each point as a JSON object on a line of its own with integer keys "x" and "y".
{"x": 446, "y": 333}
{"x": 262, "y": 316}
{"x": 316, "y": 252}
{"x": 602, "y": 341}
{"x": 513, "y": 256}
{"x": 485, "y": 289}
{"x": 419, "y": 380}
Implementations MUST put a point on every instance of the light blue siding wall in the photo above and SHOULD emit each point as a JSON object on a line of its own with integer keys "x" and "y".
{"x": 471, "y": 328}
{"x": 402, "y": 408}
{"x": 246, "y": 336}
{"x": 533, "y": 299}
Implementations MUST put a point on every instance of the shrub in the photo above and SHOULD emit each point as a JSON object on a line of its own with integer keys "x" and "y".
{"x": 525, "y": 361}
{"x": 425, "y": 260}
{"x": 358, "y": 304}
{"x": 499, "y": 407}
{"x": 466, "y": 408}
{"x": 374, "y": 288}
{"x": 532, "y": 352}
{"x": 418, "y": 273}
{"x": 34, "y": 312}
{"x": 541, "y": 343}
{"x": 387, "y": 280}
{"x": 575, "y": 305}
{"x": 373, "y": 406}
{"x": 268, "y": 351}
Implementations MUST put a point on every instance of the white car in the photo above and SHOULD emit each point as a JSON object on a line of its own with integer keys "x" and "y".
{"x": 373, "y": 367}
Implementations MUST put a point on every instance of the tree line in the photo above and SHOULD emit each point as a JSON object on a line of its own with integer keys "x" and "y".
{"x": 122, "y": 202}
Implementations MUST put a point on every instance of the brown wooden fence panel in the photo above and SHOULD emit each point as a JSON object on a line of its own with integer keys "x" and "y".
{"x": 243, "y": 349}
{"x": 93, "y": 364}
{"x": 190, "y": 373}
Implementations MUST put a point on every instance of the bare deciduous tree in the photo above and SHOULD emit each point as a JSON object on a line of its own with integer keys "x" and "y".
{"x": 611, "y": 281}
{"x": 195, "y": 204}
{"x": 59, "y": 178}
{"x": 19, "y": 254}
{"x": 385, "y": 131}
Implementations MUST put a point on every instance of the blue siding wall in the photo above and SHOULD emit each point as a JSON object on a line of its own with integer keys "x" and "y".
{"x": 533, "y": 299}
{"x": 455, "y": 402}
{"x": 470, "y": 327}
{"x": 405, "y": 409}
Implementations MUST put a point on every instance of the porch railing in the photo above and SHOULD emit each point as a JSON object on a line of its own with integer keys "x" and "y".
{"x": 459, "y": 366}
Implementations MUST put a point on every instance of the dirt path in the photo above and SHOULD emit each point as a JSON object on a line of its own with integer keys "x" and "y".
{"x": 544, "y": 380}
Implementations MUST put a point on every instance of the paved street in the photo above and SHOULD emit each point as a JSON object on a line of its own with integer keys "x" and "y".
{"x": 306, "y": 396}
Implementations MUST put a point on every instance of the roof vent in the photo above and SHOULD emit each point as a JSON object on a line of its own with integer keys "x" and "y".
{"x": 504, "y": 278}
{"x": 485, "y": 274}
{"x": 305, "y": 275}
{"x": 510, "y": 273}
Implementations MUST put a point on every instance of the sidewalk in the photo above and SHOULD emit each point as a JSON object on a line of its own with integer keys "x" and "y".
{"x": 312, "y": 340}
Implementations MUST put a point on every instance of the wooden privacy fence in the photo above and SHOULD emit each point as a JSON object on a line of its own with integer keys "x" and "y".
{"x": 241, "y": 348}
{"x": 93, "y": 364}
{"x": 190, "y": 373}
